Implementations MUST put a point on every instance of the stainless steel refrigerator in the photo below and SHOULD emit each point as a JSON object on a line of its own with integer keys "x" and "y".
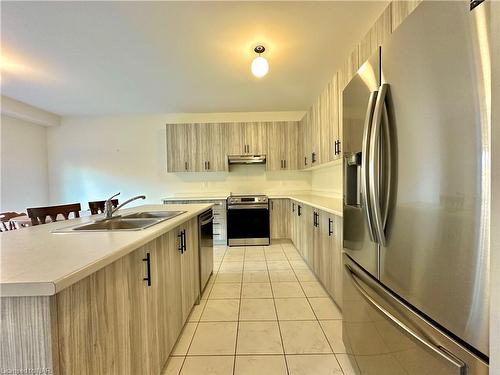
{"x": 416, "y": 198}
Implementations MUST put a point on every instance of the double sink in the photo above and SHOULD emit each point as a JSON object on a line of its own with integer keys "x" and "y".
{"x": 129, "y": 222}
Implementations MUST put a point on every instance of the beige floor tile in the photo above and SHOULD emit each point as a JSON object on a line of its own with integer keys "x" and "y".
{"x": 282, "y": 275}
{"x": 313, "y": 289}
{"x": 325, "y": 308}
{"x": 259, "y": 338}
{"x": 278, "y": 265}
{"x": 256, "y": 257}
{"x": 208, "y": 365}
{"x": 235, "y": 249}
{"x": 256, "y": 290}
{"x": 225, "y": 290}
{"x": 173, "y": 366}
{"x": 229, "y": 277}
{"x": 303, "y": 337}
{"x": 313, "y": 364}
{"x": 182, "y": 345}
{"x": 252, "y": 265}
{"x": 234, "y": 257}
{"x": 260, "y": 365}
{"x": 196, "y": 311}
{"x": 305, "y": 275}
{"x": 333, "y": 332}
{"x": 276, "y": 256}
{"x": 273, "y": 247}
{"x": 294, "y": 309}
{"x": 229, "y": 267}
{"x": 348, "y": 364}
{"x": 254, "y": 248}
{"x": 214, "y": 339}
{"x": 287, "y": 290}
{"x": 299, "y": 265}
{"x": 257, "y": 309}
{"x": 221, "y": 310}
{"x": 255, "y": 277}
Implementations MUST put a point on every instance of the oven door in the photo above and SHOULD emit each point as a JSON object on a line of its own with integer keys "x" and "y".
{"x": 247, "y": 225}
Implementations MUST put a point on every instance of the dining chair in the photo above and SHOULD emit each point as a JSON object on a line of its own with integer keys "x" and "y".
{"x": 5, "y": 217}
{"x": 38, "y": 215}
{"x": 97, "y": 207}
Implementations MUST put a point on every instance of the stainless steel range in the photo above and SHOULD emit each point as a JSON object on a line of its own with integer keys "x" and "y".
{"x": 248, "y": 220}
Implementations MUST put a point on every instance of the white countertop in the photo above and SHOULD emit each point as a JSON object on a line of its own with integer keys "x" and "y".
{"x": 328, "y": 204}
{"x": 37, "y": 262}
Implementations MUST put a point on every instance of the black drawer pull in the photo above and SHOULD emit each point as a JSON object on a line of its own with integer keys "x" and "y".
{"x": 148, "y": 268}
{"x": 330, "y": 229}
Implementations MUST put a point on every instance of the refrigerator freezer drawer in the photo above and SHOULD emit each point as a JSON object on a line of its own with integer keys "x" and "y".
{"x": 383, "y": 335}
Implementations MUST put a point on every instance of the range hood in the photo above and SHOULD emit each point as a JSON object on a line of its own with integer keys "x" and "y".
{"x": 246, "y": 159}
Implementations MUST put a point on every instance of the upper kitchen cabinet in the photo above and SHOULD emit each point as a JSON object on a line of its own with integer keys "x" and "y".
{"x": 210, "y": 152}
{"x": 244, "y": 138}
{"x": 181, "y": 143}
{"x": 283, "y": 150}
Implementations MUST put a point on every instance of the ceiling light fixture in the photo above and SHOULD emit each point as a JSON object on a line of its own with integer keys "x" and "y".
{"x": 260, "y": 66}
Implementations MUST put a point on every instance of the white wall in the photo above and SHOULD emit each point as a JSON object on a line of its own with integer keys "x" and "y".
{"x": 328, "y": 180}
{"x": 24, "y": 174}
{"x": 93, "y": 157}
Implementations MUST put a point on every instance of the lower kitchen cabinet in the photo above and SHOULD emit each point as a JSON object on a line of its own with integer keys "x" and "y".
{"x": 190, "y": 282}
{"x": 279, "y": 218}
{"x": 126, "y": 317}
{"x": 317, "y": 235}
{"x": 307, "y": 233}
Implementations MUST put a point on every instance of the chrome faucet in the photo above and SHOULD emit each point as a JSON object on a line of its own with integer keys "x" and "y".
{"x": 108, "y": 205}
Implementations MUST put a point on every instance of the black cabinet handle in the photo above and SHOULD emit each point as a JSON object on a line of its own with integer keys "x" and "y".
{"x": 186, "y": 165}
{"x": 184, "y": 241}
{"x": 298, "y": 210}
{"x": 181, "y": 242}
{"x": 293, "y": 207}
{"x": 313, "y": 157}
{"x": 305, "y": 160}
{"x": 272, "y": 205}
{"x": 284, "y": 163}
{"x": 148, "y": 268}
{"x": 330, "y": 230}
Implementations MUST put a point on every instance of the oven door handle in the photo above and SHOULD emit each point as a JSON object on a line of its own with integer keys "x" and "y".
{"x": 247, "y": 207}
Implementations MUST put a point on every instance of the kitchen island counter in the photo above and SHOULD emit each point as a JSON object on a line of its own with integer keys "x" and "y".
{"x": 37, "y": 262}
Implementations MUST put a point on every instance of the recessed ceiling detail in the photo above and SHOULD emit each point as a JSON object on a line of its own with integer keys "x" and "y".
{"x": 98, "y": 58}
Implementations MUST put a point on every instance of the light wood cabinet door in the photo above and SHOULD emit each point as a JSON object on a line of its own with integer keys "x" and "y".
{"x": 210, "y": 151}
{"x": 279, "y": 217}
{"x": 255, "y": 137}
{"x": 190, "y": 282}
{"x": 305, "y": 133}
{"x": 291, "y": 145}
{"x": 234, "y": 138}
{"x": 180, "y": 141}
{"x": 307, "y": 234}
{"x": 274, "y": 157}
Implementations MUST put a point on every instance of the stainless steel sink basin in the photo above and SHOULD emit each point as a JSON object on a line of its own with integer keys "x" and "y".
{"x": 119, "y": 223}
{"x": 130, "y": 222}
{"x": 154, "y": 215}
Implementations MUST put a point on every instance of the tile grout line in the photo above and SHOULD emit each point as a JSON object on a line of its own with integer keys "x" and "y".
{"x": 277, "y": 317}
{"x": 214, "y": 275}
{"x": 239, "y": 312}
{"x": 317, "y": 319}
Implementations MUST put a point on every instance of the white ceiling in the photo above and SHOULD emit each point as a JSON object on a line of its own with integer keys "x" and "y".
{"x": 95, "y": 58}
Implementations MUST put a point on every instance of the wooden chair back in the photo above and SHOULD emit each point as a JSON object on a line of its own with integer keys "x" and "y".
{"x": 38, "y": 215}
{"x": 4, "y": 219}
{"x": 97, "y": 207}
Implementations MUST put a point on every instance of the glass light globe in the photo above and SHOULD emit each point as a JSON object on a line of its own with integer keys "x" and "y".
{"x": 260, "y": 66}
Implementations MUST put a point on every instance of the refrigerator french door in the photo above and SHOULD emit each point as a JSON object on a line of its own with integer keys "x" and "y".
{"x": 416, "y": 202}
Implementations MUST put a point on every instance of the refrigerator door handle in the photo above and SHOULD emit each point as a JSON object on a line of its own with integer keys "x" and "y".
{"x": 365, "y": 154}
{"x": 374, "y": 159}
{"x": 440, "y": 351}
